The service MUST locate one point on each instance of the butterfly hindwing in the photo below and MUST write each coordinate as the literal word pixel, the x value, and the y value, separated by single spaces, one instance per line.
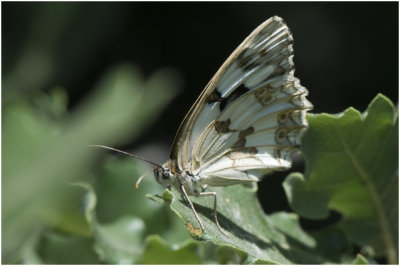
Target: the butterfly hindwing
pixel 249 117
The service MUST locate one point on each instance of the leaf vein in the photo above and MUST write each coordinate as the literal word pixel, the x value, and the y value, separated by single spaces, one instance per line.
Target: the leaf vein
pixel 387 237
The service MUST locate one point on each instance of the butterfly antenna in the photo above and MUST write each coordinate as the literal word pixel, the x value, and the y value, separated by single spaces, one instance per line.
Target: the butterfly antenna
pixel 124 152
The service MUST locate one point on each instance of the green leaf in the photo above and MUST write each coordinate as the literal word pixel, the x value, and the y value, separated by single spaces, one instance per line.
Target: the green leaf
pixel 257 237
pixel 119 242
pixel 66 249
pixel 352 168
pixel 360 259
pixel 289 223
pixel 332 243
pixel 157 251
pixel 117 195
pixel 89 200
pixel 161 251
pixel 29 254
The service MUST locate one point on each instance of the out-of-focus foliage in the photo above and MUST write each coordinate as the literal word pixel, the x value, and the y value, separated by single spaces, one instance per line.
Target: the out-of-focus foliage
pixel 44 150
pixel 52 42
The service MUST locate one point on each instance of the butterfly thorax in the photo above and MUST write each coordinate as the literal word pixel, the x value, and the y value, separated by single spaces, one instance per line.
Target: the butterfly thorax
pixel 169 175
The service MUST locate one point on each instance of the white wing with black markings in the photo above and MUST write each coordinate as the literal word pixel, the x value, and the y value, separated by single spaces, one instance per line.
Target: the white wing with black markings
pixel 249 118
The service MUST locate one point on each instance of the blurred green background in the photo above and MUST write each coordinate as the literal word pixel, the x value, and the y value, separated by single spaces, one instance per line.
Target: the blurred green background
pixel 124 75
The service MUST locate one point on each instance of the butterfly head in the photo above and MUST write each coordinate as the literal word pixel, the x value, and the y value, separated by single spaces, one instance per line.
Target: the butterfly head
pixel 163 176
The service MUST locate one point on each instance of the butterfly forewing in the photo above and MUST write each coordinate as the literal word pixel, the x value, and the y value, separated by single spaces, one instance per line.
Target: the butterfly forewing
pixel 249 118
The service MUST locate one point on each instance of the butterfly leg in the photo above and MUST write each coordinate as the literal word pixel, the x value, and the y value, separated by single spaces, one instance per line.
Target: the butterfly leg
pixel 192 207
pixel 214 194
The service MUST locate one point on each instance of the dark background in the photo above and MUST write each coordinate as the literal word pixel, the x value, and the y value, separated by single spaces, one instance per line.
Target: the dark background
pixel 345 53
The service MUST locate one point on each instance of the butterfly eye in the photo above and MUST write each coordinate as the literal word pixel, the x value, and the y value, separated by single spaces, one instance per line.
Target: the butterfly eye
pixel 158 173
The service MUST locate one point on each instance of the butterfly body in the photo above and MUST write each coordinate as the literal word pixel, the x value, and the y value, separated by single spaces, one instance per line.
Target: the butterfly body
pixel 168 176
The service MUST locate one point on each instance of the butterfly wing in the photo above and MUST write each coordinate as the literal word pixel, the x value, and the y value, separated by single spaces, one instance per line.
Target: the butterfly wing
pixel 249 117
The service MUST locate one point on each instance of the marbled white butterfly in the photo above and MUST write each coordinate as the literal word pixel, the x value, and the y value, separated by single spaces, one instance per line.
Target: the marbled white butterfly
pixel 246 122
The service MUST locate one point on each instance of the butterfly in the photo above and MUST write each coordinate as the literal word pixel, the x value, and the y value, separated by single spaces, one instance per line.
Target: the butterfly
pixel 246 122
